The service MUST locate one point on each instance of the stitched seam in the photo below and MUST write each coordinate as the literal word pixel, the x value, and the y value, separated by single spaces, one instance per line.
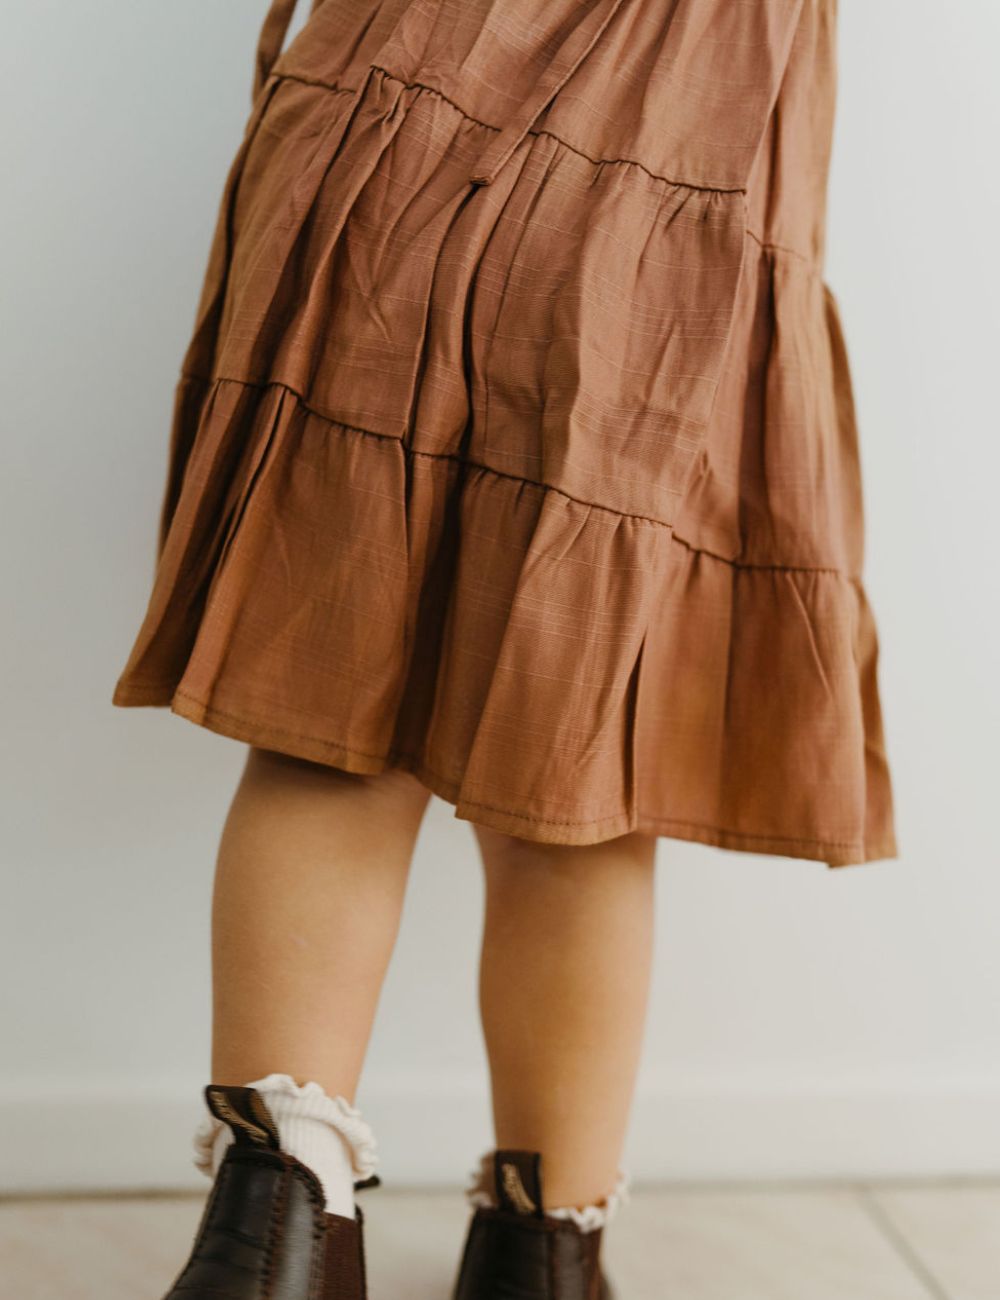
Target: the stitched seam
pixel 278 1201
pixel 302 1174
pixel 394 754
pixel 206 1224
pixel 755 836
pixel 518 478
pixel 770 247
pixel 389 756
pixel 427 455
pixel 433 90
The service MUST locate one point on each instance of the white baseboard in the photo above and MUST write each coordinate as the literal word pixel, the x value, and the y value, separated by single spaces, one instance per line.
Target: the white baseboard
pixel 430 1131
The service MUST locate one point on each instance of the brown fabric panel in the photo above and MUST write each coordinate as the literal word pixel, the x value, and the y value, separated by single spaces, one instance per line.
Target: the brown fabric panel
pixel 547 488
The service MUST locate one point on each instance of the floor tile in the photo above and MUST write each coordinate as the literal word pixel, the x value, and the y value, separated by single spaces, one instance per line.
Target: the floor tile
pixel 700 1244
pixel 954 1233
pixel 755 1245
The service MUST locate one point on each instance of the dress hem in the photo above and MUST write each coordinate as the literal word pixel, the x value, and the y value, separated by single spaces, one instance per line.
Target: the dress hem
pixel 259 732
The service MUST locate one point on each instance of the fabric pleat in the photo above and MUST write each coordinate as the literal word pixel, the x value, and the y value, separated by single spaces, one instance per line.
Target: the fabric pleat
pixel 515 442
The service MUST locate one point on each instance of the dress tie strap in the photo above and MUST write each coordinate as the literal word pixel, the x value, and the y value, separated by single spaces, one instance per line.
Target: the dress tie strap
pixel 272 37
pixel 570 55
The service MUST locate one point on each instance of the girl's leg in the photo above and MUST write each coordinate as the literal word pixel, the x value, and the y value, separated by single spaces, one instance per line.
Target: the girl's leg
pixel 309 886
pixel 564 979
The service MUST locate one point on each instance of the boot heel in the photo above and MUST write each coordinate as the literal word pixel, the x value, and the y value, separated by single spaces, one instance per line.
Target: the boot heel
pixel 515 1251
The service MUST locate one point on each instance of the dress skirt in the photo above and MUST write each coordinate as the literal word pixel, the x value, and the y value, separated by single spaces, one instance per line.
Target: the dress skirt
pixel 514 445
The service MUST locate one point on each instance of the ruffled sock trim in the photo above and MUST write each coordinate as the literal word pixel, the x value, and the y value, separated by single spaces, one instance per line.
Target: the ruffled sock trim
pixel 312 1102
pixel 480 1193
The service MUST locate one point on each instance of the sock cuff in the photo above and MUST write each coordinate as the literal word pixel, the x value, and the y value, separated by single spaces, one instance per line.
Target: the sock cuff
pixel 481 1192
pixel 289 1101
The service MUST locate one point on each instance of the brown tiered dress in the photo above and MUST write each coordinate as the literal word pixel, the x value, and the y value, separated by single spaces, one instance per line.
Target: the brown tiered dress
pixel 515 443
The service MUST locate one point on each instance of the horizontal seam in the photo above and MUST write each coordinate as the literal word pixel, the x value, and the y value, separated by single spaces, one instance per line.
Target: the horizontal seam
pixel 417 765
pixel 390 756
pixel 767 568
pixel 518 478
pixel 433 90
pixel 770 247
pixel 269 726
pixel 428 455
pixel 753 835
pixel 533 821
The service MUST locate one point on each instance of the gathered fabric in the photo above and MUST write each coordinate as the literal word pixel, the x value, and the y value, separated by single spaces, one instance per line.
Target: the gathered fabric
pixel 515 443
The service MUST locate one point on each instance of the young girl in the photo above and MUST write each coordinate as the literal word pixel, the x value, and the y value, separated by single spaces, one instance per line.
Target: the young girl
pixel 513 460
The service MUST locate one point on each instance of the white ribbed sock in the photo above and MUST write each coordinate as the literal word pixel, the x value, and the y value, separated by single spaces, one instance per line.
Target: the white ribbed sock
pixel 326 1133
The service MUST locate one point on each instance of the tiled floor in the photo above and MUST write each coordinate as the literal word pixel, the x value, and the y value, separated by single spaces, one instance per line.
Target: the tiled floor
pixel 936 1241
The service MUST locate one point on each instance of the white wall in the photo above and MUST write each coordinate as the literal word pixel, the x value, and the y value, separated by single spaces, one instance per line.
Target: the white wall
pixel 804 1022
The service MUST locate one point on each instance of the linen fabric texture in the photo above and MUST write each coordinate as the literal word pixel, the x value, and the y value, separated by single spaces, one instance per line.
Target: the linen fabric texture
pixel 515 442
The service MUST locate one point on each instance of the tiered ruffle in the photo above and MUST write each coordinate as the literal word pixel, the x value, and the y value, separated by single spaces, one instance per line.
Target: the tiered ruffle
pixel 547 493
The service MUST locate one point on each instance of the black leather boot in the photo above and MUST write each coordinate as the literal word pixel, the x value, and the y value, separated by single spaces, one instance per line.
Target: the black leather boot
pixel 515 1251
pixel 265 1231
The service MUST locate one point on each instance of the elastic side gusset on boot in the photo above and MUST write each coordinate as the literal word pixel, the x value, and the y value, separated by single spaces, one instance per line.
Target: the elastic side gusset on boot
pixel 265 1230
pixel 515 1251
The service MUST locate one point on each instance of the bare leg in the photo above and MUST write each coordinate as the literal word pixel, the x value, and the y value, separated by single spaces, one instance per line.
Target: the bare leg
pixel 309 887
pixel 564 980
